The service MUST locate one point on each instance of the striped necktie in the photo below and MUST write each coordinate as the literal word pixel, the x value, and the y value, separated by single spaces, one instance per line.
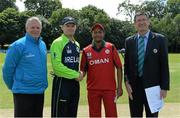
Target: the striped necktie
pixel 140 55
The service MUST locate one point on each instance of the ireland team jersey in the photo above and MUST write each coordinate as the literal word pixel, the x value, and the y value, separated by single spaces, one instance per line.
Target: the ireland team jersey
pixel 65 57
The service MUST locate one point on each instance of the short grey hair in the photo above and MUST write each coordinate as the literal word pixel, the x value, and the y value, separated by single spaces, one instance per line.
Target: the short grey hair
pixel 29 20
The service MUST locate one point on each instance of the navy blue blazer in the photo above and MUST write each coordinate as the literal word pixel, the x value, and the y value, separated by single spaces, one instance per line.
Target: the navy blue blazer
pixel 156 67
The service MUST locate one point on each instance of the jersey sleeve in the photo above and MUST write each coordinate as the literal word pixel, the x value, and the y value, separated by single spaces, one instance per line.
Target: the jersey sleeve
pixel 83 65
pixel 116 58
pixel 58 67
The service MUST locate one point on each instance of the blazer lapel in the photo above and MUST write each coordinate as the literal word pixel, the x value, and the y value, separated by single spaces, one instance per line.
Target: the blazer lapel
pixel 149 44
pixel 135 47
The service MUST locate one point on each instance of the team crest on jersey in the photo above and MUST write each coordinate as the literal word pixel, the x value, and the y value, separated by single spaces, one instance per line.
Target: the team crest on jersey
pixel 89 55
pixel 69 51
pixel 77 49
pixel 107 51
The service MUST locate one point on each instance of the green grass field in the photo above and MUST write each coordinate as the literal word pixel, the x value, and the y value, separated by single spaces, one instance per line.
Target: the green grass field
pixel 6 100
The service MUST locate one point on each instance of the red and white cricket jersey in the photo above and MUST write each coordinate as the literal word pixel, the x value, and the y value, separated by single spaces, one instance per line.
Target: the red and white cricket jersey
pixel 100 66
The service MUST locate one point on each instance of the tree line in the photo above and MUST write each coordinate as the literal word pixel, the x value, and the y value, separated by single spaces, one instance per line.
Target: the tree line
pixel 164 16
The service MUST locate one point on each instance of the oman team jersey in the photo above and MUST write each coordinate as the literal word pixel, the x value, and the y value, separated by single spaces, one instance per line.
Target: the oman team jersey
pixel 100 66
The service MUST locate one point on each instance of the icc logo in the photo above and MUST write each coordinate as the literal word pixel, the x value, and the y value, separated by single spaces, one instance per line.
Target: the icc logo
pixel 89 55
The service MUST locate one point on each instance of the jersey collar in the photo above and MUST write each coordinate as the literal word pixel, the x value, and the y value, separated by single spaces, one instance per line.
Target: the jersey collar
pixel 31 39
pixel 66 38
pixel 95 47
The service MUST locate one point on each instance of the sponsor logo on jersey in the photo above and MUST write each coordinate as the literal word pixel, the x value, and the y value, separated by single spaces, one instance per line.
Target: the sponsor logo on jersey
pixel 71 59
pixel 30 55
pixel 99 61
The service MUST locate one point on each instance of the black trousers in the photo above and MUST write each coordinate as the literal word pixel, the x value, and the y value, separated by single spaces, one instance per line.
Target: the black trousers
pixel 65 97
pixel 28 105
pixel 139 101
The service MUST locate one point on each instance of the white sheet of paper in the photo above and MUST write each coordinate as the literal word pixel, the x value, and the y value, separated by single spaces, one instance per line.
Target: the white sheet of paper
pixel 153 98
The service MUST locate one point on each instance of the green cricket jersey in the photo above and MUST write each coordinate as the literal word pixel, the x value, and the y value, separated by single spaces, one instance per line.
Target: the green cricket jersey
pixel 65 57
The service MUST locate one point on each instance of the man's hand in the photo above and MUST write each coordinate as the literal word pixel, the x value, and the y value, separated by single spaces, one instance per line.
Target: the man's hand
pixel 119 92
pixel 80 76
pixel 129 90
pixel 163 94
pixel 52 74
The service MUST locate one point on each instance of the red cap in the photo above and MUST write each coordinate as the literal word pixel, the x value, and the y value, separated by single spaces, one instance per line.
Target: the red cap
pixel 97 26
